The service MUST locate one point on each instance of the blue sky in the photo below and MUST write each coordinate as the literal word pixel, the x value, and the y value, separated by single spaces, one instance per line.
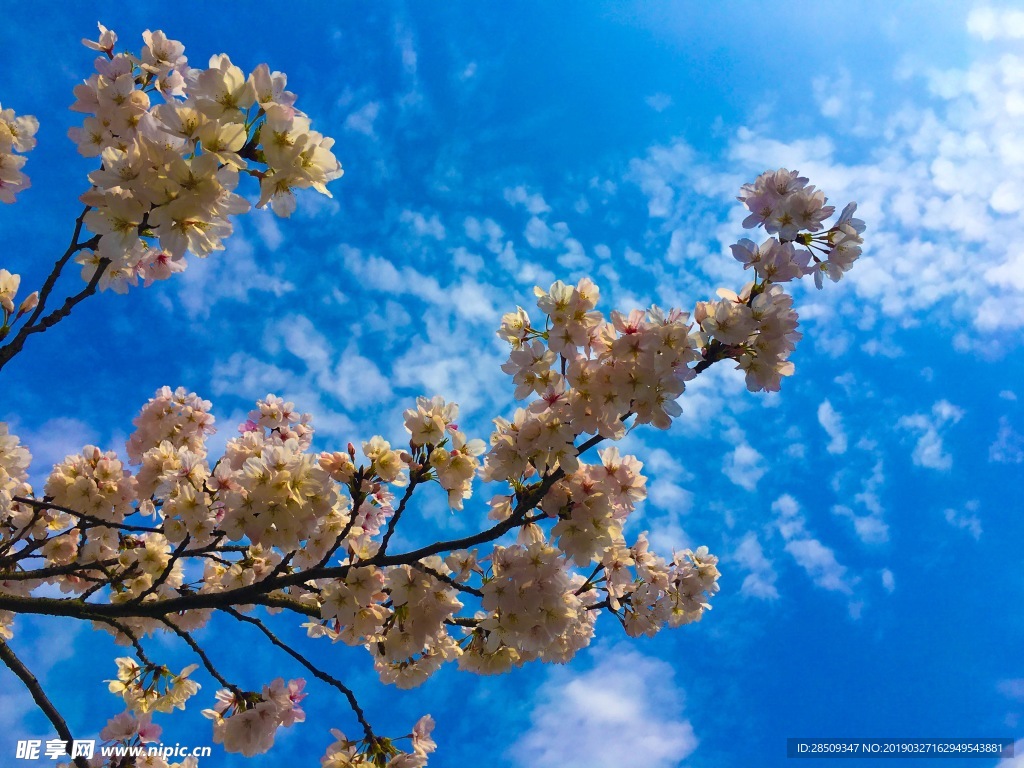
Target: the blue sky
pixel 867 517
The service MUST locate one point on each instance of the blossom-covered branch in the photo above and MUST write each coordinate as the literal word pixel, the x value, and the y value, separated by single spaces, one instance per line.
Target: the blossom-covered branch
pixel 165 537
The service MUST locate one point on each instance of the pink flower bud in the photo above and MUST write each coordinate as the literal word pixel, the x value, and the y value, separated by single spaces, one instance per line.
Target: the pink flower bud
pixel 29 303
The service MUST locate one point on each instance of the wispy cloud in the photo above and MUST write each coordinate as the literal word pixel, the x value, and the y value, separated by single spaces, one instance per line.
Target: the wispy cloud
pixel 744 465
pixel 363 119
pixel 233 274
pixel 1008 447
pixel 965 519
pixel 929 451
pixel 809 553
pixel 832 423
pixel 760 582
pixel 422 225
pixel 659 102
pixel 52 441
pixel 870 527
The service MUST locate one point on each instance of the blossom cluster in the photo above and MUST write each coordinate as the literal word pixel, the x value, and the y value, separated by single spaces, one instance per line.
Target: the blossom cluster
pixel 274 522
pixel 381 753
pixel 17 134
pixel 152 688
pixel 171 165
pixel 589 374
pixel 784 204
pixel 450 457
pixel 14 463
pixel 248 722
pixel 276 500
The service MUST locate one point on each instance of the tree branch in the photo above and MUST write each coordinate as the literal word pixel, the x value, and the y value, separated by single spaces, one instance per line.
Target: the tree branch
pixel 17 667
pixel 36 325
pixel 319 673
pixel 198 650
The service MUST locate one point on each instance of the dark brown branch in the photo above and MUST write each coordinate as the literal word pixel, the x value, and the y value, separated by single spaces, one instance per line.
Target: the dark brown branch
pixel 17 667
pixel 20 534
pixel 36 323
pixel 51 279
pixel 140 652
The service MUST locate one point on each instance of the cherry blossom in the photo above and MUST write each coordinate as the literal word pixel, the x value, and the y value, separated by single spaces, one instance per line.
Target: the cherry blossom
pixel 158 539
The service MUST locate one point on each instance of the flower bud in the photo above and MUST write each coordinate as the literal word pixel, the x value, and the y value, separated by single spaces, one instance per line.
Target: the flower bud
pixel 29 303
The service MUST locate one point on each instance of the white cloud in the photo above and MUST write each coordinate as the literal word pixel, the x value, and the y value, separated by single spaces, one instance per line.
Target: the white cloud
pixel 788 519
pixel 659 102
pixel 532 201
pixel 820 563
pixel 965 519
pixel 423 226
pixel 929 451
pixel 940 182
pixel 486 231
pixel 832 423
pixel 669 496
pixel 477 302
pixel 870 529
pixel 438 369
pixel 540 235
pixel 1012 689
pixel 996 23
pixel 267 228
pixel 355 380
pixel 815 558
pixel 230 274
pixel 888 580
pixel 245 376
pixel 760 582
pixel 1008 447
pixel 840 97
pixel 52 441
pixel 744 466
pixel 377 271
pixel 659 173
pixel 362 120
pixel 625 711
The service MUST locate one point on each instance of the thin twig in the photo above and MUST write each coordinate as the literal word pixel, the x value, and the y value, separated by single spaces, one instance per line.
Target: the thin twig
pixel 329 679
pixel 166 572
pixel 447 579
pixel 36 323
pixel 96 521
pixel 198 650
pixel 414 480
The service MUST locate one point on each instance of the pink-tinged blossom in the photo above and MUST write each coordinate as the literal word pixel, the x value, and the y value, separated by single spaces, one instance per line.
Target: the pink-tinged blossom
pixel 17 134
pixel 106 41
pixel 172 156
